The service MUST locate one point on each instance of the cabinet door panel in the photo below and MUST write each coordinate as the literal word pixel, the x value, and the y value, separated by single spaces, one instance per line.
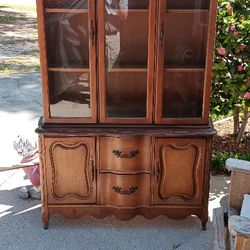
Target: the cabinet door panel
pixel 72 4
pixel 179 171
pixel 185 33
pixel 70 56
pixel 71 170
pixel 126 60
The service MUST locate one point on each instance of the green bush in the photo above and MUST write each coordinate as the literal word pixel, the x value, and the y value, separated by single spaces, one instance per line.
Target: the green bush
pixel 218 160
pixel 231 69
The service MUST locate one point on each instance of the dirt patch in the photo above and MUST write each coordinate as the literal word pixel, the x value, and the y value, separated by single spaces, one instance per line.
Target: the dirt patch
pixel 224 142
pixel 18 41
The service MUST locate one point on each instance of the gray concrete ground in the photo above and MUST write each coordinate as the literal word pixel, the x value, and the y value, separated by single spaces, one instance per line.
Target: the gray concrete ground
pixel 20 220
pixel 23 2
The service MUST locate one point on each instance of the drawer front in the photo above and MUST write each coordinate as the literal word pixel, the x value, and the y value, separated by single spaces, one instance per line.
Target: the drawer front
pixel 124 190
pixel 125 154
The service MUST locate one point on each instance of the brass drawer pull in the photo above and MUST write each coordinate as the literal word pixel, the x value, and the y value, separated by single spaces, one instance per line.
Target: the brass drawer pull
pixel 130 154
pixel 119 190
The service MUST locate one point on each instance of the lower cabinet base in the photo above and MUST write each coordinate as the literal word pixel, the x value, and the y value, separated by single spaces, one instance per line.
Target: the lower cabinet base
pixel 125 172
pixel 76 212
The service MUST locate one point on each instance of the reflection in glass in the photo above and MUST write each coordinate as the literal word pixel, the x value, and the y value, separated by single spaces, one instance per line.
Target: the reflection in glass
pixel 187 4
pixel 126 35
pixel 126 48
pixel 70 4
pixel 67 40
pixel 183 95
pixel 127 94
pixel 185 41
pixel 69 94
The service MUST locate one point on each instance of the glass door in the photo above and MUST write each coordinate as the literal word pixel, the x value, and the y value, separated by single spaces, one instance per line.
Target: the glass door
pixel 71 67
pixel 184 62
pixel 126 60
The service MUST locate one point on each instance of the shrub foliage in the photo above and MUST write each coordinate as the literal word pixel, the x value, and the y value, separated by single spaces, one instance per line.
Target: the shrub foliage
pixel 231 69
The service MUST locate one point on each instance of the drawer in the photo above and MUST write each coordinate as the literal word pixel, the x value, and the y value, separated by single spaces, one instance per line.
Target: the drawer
pixel 125 154
pixel 125 190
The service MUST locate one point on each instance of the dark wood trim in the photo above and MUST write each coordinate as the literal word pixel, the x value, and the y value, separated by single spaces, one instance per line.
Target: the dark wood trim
pixel 160 62
pixel 206 186
pixel 92 61
pixel 43 57
pixel 57 130
pixel 101 60
pixel 209 58
pixel 43 180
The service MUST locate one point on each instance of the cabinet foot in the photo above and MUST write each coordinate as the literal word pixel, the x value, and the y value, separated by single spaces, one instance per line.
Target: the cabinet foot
pixel 45 219
pixel 204 225
pixel 46 224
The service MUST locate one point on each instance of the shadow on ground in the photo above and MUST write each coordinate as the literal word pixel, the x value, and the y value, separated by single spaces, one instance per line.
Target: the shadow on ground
pixel 21 228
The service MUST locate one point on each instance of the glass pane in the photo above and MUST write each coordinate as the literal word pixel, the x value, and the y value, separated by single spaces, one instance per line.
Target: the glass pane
pixel 126 94
pixel 135 4
pixel 185 39
pixel 67 40
pixel 188 4
pixel 69 4
pixel 126 4
pixel 126 47
pixel 69 94
pixel 183 94
pixel 126 36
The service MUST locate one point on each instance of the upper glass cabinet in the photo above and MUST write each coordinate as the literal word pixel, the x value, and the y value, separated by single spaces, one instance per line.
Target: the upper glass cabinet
pixel 126 37
pixel 151 59
pixel 70 44
pixel 183 35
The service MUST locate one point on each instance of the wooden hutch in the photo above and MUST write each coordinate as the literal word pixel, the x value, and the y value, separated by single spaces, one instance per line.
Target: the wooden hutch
pixel 126 91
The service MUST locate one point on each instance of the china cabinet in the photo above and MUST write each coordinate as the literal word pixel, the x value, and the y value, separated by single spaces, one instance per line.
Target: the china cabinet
pixel 126 87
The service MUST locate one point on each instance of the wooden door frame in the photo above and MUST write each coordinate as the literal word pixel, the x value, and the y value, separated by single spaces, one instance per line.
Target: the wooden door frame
pixel 102 71
pixel 207 72
pixel 44 66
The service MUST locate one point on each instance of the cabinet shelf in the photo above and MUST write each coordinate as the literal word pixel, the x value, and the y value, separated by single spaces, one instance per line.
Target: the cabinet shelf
pixel 134 10
pixel 125 70
pixel 54 10
pixel 69 70
pixel 194 11
pixel 178 69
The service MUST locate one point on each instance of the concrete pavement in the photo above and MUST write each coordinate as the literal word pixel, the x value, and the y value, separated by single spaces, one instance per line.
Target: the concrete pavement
pixel 20 220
